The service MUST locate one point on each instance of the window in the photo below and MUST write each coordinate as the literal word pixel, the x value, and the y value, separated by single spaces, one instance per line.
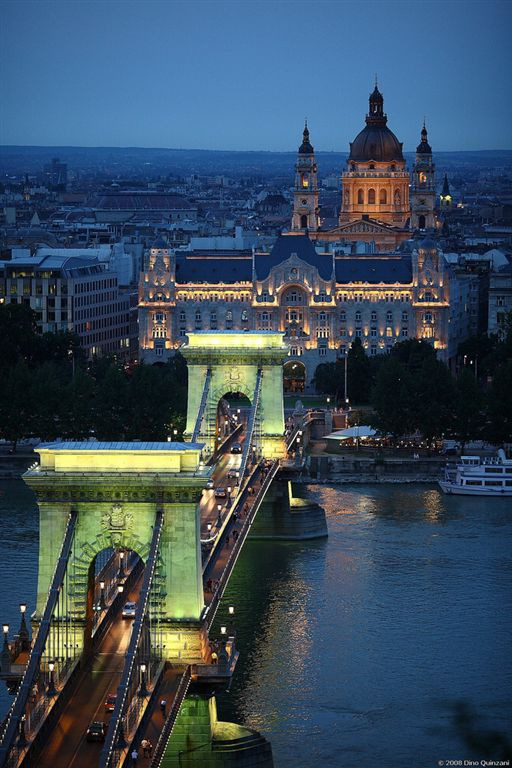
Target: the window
pixel 405 317
pixel 358 333
pixel 322 333
pixel 358 316
pixel 374 316
pixel 182 316
pixel 389 332
pixel 229 316
pixel 373 332
pixel 405 333
pixel 371 197
pixel 373 350
pixel 500 301
pixel 244 317
pixel 360 197
pixel 389 317
pixel 322 318
pixel 322 351
pixel 383 197
pixel 428 318
pixel 343 315
pixel 159 317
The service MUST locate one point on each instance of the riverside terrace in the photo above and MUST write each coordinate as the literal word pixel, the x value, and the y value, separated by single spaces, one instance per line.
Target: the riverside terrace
pixel 140 513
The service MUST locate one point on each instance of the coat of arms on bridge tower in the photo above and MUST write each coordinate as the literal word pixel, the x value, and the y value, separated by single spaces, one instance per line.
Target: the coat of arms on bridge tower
pixel 117 519
pixel 234 375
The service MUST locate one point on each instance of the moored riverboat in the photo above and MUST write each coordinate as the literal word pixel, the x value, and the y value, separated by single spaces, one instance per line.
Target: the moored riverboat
pixel 476 476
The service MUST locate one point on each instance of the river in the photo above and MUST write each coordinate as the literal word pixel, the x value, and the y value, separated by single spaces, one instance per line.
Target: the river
pixel 359 650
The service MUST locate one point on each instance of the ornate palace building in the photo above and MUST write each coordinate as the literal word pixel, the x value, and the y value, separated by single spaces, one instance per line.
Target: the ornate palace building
pixel 322 302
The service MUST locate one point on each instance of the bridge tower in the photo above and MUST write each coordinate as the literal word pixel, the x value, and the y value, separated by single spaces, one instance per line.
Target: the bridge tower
pixel 250 362
pixel 116 491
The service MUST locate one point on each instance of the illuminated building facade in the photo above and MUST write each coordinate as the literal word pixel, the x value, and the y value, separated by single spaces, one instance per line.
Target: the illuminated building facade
pixel 423 186
pixel 305 197
pixel 321 301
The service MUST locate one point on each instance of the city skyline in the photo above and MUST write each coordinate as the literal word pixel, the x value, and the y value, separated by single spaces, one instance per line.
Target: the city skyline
pixel 244 77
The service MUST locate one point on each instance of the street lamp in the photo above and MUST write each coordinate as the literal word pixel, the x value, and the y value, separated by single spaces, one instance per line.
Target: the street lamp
pixel 51 682
pixel 209 527
pixel 231 610
pixel 23 633
pixel 102 596
pixel 121 572
pixel 5 628
pixel 120 589
pixel 143 691
pixel 223 630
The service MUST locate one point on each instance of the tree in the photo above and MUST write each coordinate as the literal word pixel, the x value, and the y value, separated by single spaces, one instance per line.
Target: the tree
pixel 392 399
pixel 434 397
pixel 469 403
pixel 358 373
pixel 329 379
pixel 499 406
pixel 17 404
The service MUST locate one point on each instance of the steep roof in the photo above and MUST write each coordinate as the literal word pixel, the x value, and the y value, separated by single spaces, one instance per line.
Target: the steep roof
pixel 287 246
pixel 232 268
pixel 374 270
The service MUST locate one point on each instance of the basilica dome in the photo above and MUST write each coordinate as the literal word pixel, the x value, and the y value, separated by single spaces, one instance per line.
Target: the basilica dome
pixel 376 141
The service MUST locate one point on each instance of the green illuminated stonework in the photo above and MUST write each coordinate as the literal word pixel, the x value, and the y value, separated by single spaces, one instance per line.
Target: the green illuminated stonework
pixel 234 359
pixel 117 509
pixel 199 740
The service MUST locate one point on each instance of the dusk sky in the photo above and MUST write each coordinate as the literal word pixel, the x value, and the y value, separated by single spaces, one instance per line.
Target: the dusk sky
pixel 243 75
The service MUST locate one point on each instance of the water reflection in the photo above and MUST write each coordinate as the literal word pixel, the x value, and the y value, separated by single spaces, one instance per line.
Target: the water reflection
pixel 349 649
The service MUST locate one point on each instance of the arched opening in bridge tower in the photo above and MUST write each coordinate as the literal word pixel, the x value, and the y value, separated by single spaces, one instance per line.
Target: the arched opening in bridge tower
pixel 112 580
pixel 232 410
pixel 294 377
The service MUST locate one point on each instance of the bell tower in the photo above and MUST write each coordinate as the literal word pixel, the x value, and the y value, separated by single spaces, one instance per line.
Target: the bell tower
pixel 423 186
pixel 305 197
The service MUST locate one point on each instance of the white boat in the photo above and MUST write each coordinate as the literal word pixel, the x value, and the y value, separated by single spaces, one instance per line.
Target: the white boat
pixel 475 476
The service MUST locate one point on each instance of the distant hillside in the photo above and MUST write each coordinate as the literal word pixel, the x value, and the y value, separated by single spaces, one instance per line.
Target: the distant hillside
pixel 141 162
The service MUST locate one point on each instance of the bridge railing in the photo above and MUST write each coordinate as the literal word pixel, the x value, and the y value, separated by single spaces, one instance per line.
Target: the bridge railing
pixel 14 740
pixel 211 609
pixel 250 424
pixel 165 735
pixel 202 405
pixel 114 741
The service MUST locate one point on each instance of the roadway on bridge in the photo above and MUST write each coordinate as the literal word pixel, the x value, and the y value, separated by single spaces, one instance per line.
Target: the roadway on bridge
pixel 67 746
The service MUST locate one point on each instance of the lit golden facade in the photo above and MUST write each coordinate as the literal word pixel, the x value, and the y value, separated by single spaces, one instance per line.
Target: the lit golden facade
pixel 376 182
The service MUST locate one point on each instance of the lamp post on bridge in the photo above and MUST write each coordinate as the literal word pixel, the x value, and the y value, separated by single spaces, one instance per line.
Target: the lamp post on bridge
pixel 5 659
pixel 23 633
pixel 102 603
pixel 51 691
pixel 121 574
pixel 143 691
pixel 219 516
pixel 22 739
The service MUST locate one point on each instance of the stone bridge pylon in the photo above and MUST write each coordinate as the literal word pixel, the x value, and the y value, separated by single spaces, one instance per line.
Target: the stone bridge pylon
pixel 222 362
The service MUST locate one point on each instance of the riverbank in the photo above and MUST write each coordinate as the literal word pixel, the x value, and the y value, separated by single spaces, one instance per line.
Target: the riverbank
pixel 337 470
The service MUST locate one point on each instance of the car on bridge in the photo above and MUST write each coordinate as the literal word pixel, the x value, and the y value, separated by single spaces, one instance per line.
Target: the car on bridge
pixel 96 731
pixel 233 474
pixel 129 610
pixel 236 448
pixel 210 485
pixel 220 493
pixel 110 702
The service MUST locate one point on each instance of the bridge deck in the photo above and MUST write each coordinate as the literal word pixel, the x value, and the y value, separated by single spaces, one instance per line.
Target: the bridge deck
pixel 67 746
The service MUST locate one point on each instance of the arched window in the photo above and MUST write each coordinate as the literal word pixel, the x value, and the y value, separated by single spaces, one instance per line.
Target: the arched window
pixel 421 222
pixel 371 166
pixel 360 197
pixel 398 199
pixel 229 316
pixel 303 222
pixel 383 197
pixel 371 197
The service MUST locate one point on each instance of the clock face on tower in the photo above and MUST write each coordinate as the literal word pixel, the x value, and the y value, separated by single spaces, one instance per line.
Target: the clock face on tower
pixel 304 202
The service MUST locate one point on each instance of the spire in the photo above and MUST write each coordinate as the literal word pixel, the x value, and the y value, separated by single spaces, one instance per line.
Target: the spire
pixel 446 187
pixel 306 147
pixel 424 147
pixel 376 114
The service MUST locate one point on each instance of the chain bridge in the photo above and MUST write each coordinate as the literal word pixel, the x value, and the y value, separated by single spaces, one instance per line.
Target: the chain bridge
pixel 137 544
